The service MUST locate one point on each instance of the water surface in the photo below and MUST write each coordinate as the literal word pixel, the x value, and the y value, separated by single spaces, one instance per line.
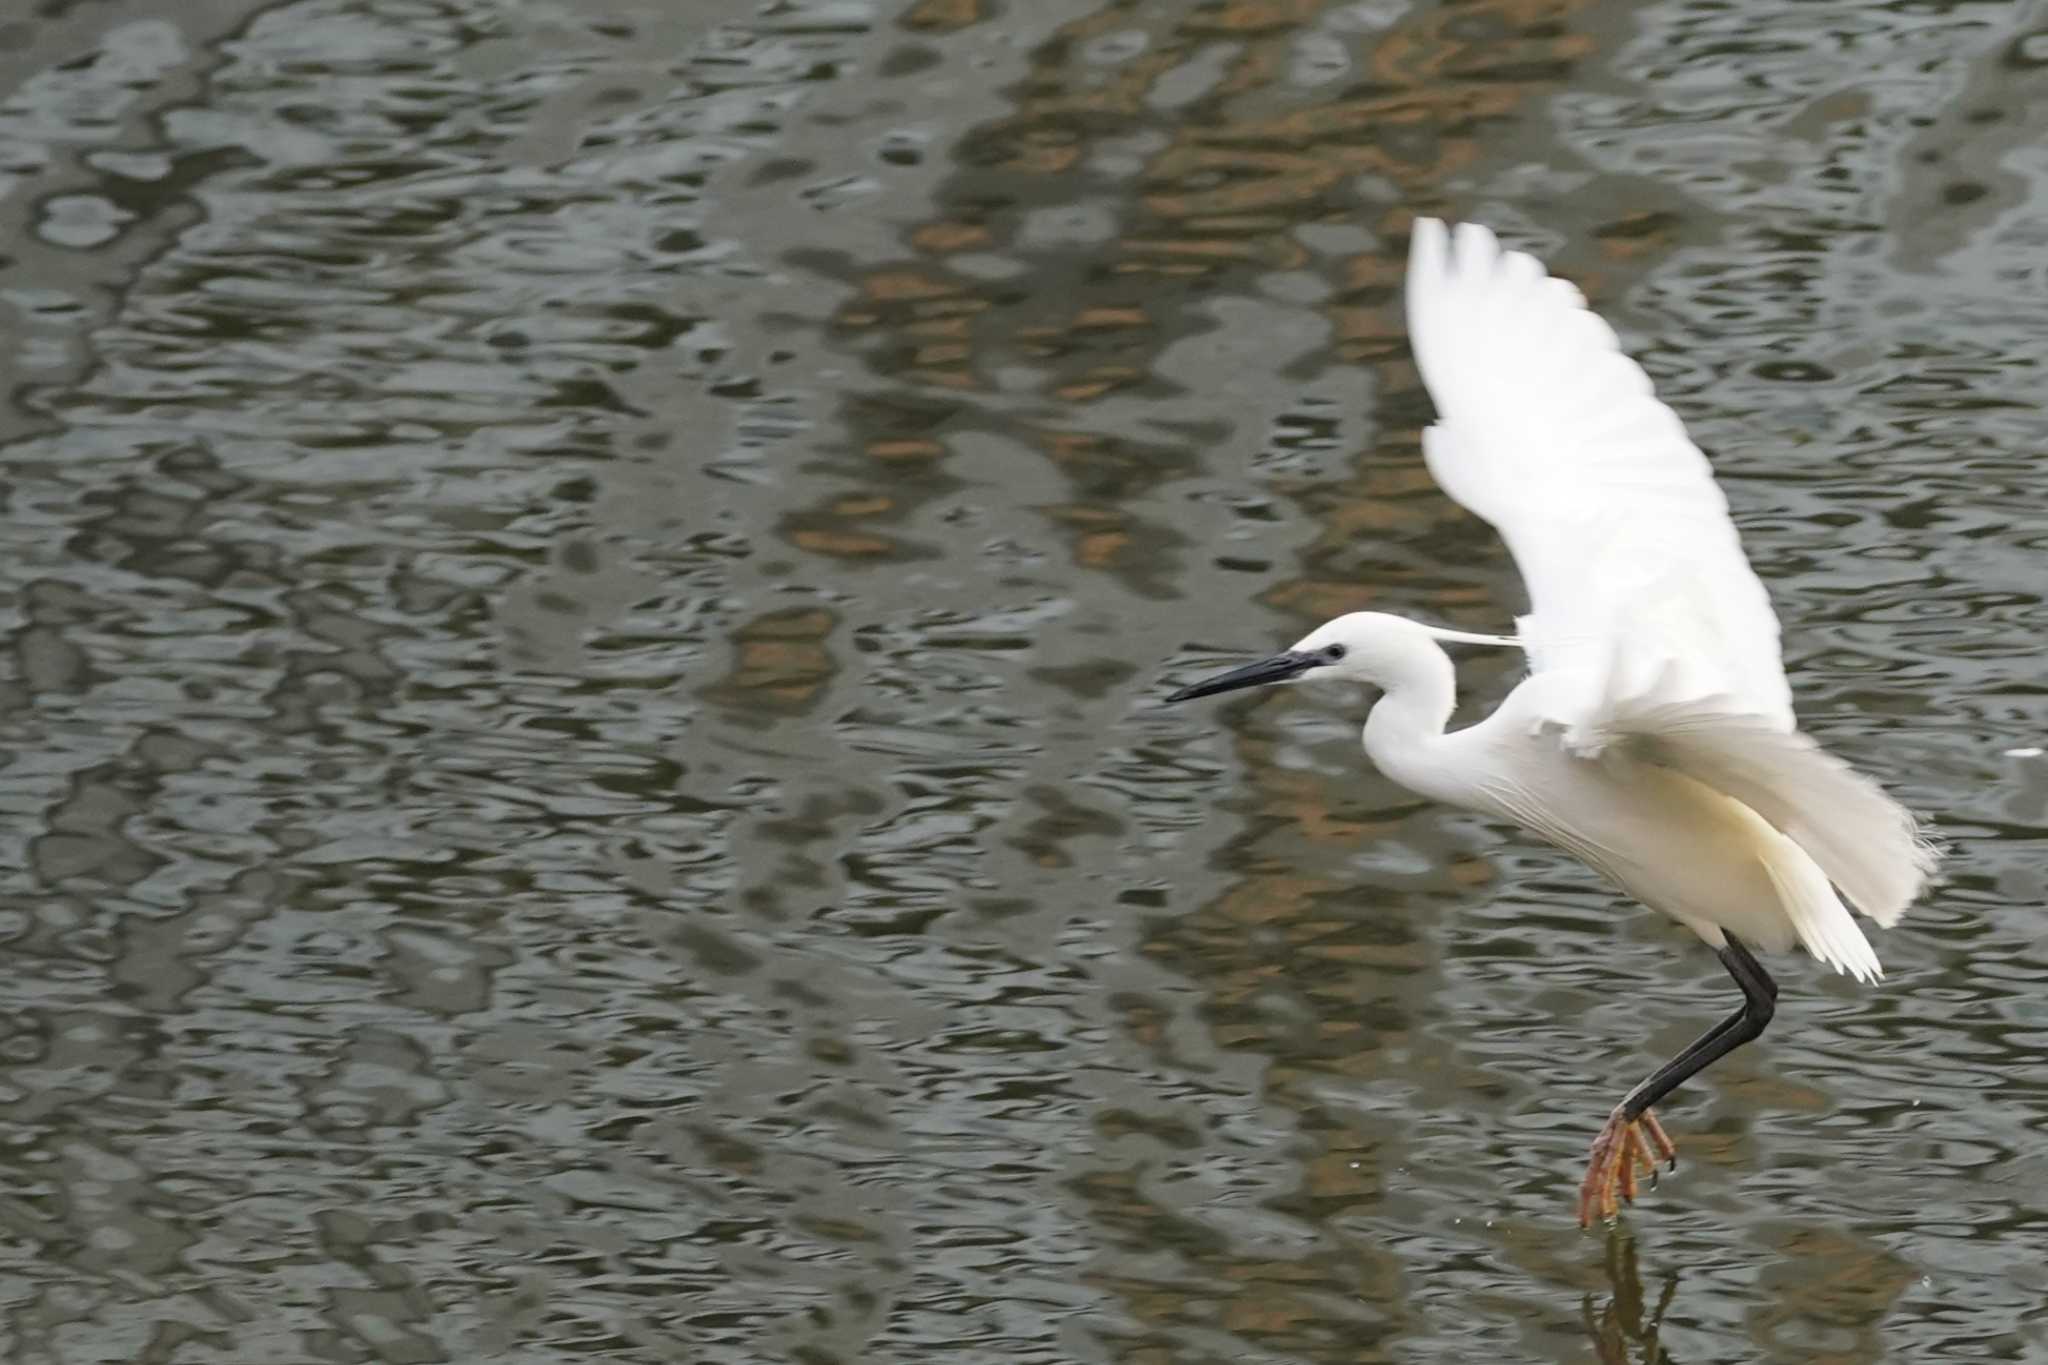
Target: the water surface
pixel 586 594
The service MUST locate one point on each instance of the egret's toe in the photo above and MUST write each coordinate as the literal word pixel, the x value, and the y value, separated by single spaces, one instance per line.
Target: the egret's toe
pixel 1621 1146
pixel 1667 1151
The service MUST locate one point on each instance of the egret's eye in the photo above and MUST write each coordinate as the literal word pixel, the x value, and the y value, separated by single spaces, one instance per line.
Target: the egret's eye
pixel 1333 652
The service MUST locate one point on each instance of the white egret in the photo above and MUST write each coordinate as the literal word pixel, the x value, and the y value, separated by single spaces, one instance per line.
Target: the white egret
pixel 1654 737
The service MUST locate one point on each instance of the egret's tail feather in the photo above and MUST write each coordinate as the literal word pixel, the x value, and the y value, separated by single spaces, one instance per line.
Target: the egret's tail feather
pixel 1863 841
pixel 1818 916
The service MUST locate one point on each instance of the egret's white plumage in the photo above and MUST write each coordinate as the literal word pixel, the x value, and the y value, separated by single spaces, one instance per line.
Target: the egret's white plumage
pixel 1654 737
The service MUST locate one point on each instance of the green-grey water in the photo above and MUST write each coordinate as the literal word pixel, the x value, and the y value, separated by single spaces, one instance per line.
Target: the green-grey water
pixel 585 595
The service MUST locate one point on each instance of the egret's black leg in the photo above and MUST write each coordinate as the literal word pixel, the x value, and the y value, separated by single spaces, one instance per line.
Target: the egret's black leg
pixel 1632 1131
pixel 1759 1002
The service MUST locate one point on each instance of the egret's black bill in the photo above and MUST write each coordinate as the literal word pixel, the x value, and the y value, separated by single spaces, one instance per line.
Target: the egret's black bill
pixel 1279 668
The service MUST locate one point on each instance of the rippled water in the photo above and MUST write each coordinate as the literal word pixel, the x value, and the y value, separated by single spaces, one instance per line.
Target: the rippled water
pixel 587 587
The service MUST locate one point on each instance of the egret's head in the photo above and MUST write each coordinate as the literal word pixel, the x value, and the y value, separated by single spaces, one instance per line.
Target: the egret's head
pixel 1364 646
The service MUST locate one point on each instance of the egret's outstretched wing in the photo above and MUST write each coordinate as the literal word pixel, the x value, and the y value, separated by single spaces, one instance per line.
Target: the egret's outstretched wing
pixel 1636 579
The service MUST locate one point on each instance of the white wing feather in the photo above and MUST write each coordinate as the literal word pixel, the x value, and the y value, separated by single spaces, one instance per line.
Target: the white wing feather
pixel 1647 629
pixel 1635 575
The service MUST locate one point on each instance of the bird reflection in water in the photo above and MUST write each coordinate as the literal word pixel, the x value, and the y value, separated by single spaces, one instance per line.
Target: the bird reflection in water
pixel 1621 1323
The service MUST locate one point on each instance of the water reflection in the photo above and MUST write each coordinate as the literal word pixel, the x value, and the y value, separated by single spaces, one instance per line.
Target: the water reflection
pixel 1621 1332
pixel 588 595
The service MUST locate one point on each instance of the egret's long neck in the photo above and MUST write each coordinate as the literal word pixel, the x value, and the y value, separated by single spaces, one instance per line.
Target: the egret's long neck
pixel 1421 689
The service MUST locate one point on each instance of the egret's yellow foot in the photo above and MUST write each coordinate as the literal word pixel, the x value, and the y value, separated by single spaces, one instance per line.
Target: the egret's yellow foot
pixel 1623 1145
